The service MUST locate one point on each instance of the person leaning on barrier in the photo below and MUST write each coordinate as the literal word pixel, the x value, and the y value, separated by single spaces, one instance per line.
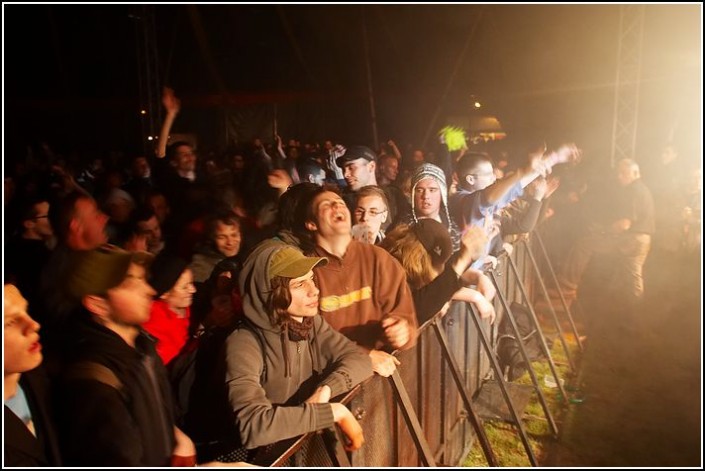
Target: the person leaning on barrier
pixel 286 363
pixel 424 250
pixel 480 195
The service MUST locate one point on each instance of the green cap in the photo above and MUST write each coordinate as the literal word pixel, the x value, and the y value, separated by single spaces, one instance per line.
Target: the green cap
pixel 289 262
pixel 94 272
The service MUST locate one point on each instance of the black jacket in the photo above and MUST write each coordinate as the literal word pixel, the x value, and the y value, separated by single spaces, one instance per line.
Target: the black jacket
pixel 21 448
pixel 103 425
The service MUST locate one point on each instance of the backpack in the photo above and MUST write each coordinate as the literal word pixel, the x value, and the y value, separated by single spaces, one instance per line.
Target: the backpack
pixel 203 410
pixel 508 352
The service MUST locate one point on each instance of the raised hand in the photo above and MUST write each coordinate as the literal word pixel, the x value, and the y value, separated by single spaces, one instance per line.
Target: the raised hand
pixel 472 247
pixel 279 179
pixel 567 153
pixel 170 102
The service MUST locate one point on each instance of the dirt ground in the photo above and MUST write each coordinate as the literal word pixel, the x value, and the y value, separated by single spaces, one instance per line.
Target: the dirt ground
pixel 640 374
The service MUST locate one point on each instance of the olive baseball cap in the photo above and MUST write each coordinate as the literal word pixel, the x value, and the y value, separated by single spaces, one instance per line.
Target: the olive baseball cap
pixel 94 272
pixel 291 263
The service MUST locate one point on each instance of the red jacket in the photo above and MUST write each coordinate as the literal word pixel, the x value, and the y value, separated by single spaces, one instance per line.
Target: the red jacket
pixel 170 330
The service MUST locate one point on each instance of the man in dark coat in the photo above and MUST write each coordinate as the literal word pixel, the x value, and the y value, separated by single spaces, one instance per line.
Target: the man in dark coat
pixel 116 407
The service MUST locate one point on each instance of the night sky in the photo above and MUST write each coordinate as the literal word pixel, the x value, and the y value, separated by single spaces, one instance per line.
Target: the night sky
pixel 547 72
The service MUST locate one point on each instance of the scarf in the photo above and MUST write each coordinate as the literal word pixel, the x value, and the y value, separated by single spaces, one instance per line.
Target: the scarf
pixel 299 330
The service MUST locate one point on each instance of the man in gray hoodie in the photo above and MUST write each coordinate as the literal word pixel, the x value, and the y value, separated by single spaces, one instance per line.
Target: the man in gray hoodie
pixel 286 365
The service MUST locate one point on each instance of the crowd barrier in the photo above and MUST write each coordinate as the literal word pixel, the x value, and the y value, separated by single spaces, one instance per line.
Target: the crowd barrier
pixel 423 415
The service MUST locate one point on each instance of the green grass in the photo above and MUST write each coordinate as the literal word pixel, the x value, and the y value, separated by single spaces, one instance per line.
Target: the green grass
pixel 504 437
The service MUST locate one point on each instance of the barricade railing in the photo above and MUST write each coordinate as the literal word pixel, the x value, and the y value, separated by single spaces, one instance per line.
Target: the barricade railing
pixel 423 416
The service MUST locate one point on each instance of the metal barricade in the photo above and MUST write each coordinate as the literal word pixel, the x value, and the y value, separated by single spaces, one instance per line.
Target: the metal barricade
pixel 430 395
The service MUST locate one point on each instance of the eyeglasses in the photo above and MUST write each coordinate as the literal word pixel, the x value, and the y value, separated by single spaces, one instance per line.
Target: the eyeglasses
pixel 359 212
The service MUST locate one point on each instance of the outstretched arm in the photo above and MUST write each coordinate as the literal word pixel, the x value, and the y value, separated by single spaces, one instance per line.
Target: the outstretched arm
pixel 541 164
pixel 172 106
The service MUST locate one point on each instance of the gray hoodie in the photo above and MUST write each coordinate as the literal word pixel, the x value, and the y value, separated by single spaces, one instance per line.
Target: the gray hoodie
pixel 270 377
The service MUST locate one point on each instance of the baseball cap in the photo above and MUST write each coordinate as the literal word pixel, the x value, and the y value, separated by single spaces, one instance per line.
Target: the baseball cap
pixel 291 263
pixel 94 272
pixel 354 153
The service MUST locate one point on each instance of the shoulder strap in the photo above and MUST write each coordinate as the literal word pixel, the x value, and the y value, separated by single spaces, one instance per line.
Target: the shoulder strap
pixel 95 371
pixel 246 324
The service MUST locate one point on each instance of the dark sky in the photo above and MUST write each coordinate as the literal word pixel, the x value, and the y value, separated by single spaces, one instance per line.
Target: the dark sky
pixel 547 71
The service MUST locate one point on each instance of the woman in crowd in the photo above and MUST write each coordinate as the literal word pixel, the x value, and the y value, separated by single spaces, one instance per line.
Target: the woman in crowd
pixel 424 250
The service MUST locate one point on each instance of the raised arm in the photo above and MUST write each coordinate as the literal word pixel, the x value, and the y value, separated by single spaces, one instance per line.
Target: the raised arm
pixel 392 145
pixel 541 163
pixel 172 106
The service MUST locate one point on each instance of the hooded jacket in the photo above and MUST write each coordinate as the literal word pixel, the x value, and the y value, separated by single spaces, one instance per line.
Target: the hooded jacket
pixel 269 377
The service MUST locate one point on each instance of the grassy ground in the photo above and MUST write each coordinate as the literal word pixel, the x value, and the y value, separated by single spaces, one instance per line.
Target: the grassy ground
pixel 504 437
pixel 640 375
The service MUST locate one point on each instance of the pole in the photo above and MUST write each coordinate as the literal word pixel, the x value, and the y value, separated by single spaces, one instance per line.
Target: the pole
pixel 370 93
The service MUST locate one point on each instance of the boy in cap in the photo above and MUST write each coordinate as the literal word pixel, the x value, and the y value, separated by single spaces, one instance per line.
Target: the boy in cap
pixel 359 165
pixel 116 402
pixel 285 366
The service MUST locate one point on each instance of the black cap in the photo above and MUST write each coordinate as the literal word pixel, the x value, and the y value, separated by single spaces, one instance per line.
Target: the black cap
pixel 435 238
pixel 354 153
